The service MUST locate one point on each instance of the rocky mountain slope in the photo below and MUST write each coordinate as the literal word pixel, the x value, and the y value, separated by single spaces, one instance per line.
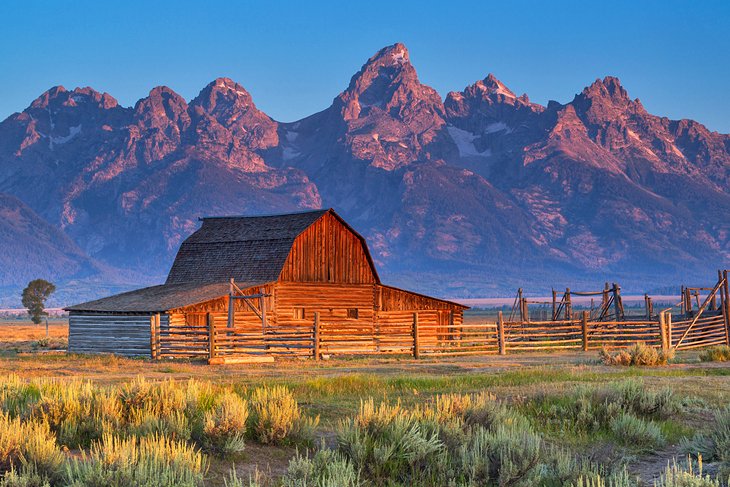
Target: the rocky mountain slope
pixel 470 195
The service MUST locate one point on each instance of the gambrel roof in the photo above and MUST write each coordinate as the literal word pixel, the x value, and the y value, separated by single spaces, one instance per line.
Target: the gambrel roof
pixel 245 248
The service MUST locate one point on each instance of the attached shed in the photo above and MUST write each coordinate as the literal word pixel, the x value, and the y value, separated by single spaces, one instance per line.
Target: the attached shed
pixel 261 274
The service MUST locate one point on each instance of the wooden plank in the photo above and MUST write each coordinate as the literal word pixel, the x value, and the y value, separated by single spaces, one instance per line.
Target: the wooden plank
pixel 240 360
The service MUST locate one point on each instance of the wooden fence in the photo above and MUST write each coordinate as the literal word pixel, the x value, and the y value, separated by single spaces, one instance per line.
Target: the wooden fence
pixel 222 344
pixel 222 340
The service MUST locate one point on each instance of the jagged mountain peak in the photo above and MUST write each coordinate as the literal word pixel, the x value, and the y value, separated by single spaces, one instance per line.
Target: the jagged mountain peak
pixel 58 96
pixel 387 82
pixel 395 55
pixel 492 85
pixel 608 89
pixel 223 97
pixel 161 100
pixel 47 96
pixel 222 87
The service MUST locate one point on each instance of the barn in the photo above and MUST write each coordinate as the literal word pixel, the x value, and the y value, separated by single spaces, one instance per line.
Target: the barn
pixel 262 286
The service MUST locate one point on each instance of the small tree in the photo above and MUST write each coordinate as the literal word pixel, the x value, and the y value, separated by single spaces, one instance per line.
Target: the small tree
pixel 34 298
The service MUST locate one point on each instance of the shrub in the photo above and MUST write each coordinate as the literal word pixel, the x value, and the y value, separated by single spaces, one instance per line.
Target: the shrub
pixel 631 396
pixel 386 447
pixel 720 353
pixel 325 469
pixel 591 409
pixel 233 481
pixel 155 460
pixel 638 354
pixel 714 444
pixel 224 427
pixel 146 421
pixel 77 411
pixel 636 432
pixel 275 417
pixel 618 479
pixel 16 395
pixel 454 440
pixel 505 456
pixel 28 443
pixel 27 477
pixel 676 476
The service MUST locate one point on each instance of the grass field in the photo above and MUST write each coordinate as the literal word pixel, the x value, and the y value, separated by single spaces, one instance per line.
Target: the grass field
pixel 567 401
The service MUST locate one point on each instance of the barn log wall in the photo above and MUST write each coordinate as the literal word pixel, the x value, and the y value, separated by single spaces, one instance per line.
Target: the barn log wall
pixel 120 334
pixel 331 301
pixel 328 251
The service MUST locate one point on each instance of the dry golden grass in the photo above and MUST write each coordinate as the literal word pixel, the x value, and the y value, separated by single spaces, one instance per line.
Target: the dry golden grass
pixel 26 331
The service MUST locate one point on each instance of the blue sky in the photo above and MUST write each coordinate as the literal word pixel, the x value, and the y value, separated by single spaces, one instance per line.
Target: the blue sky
pixel 295 56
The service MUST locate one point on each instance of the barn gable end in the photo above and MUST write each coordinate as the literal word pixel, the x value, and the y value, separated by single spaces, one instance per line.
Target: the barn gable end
pixel 329 251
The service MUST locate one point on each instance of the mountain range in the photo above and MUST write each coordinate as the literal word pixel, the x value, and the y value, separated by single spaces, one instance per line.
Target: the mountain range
pixel 470 195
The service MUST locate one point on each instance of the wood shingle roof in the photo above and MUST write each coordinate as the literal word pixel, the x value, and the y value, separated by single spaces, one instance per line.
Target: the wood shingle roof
pixel 247 249
pixel 157 299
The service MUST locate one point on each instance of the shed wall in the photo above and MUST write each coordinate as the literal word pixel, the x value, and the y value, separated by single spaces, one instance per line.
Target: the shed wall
pixel 120 334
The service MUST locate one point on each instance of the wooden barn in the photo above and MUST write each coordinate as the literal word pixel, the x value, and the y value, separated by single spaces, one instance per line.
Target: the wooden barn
pixel 263 285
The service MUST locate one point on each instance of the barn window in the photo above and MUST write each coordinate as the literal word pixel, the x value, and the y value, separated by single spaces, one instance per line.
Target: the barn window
pixel 352 313
pixel 298 313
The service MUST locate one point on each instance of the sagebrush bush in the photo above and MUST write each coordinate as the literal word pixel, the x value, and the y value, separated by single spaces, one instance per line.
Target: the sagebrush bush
pixel 636 432
pixel 713 444
pixel 17 395
pixel 720 353
pixel 275 417
pixel 390 444
pixel 677 476
pixel 617 479
pixel 224 427
pixel 467 441
pixel 29 444
pixel 505 456
pixel 325 469
pixel 27 476
pixel 155 460
pixel 591 409
pixel 77 411
pixel 232 480
pixel 638 354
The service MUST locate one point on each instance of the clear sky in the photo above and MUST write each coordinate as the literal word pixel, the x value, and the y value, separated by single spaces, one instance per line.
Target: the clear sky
pixel 295 56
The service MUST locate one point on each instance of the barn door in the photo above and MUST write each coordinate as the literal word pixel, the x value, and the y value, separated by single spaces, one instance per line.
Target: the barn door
pixel 444 331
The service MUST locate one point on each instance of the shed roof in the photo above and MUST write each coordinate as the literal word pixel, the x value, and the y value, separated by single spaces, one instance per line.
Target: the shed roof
pixel 160 298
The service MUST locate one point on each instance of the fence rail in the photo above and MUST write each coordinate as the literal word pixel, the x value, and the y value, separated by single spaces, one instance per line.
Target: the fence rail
pixel 221 344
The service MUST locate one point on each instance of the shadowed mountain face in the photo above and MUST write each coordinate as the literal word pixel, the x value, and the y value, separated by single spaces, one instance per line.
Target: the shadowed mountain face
pixel 474 194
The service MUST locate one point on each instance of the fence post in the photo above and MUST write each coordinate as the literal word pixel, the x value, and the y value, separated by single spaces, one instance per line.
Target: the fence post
pixel 416 339
pixel 663 331
pixel 154 333
pixel 315 345
pixel 668 325
pixel 584 330
pixel 500 334
pixel 726 307
pixel 211 336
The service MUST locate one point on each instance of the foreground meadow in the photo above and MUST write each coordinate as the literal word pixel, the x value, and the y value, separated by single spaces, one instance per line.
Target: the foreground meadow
pixel 548 419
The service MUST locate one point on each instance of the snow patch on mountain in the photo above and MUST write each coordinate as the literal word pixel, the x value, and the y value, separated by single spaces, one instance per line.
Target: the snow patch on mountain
pixel 72 132
pixel 464 141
